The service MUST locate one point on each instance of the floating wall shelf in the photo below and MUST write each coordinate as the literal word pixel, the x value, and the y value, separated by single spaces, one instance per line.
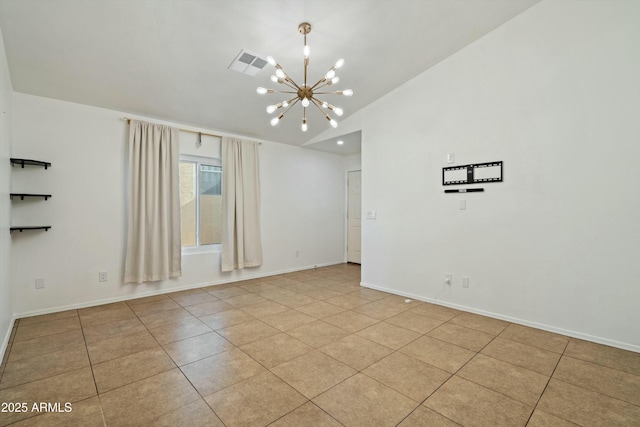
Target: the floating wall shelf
pixel 20 229
pixel 23 195
pixel 23 162
pixel 29 162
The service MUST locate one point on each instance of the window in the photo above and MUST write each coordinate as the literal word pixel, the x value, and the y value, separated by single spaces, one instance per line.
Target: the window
pixel 200 201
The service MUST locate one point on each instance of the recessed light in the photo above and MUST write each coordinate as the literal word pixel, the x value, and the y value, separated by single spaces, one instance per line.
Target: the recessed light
pixel 341 142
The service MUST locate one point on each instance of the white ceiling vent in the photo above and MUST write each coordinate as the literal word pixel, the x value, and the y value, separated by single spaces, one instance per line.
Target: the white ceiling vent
pixel 247 63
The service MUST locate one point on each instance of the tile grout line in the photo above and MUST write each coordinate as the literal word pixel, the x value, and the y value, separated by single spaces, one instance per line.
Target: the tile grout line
pixel 479 352
pixel 458 370
pixel 308 400
pixel 170 358
pixel 547 384
pixel 267 369
pixel 592 389
pixel 95 384
pixel 50 376
pixel 360 371
pixel 187 378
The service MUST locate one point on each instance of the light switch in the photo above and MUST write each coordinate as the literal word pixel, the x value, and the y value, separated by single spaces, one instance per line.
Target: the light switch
pixel 463 205
pixel 451 157
pixel 371 214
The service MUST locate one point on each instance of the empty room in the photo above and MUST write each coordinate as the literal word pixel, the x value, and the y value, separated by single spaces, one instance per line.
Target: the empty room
pixel 319 213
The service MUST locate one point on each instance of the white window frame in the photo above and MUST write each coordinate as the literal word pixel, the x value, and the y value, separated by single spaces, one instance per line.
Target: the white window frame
pixel 209 161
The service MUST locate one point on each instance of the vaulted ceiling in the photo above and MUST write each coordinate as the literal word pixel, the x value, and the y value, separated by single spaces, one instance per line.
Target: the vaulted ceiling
pixel 169 59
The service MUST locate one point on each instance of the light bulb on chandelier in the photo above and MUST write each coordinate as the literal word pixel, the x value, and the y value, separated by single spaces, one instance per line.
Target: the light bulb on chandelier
pixel 304 93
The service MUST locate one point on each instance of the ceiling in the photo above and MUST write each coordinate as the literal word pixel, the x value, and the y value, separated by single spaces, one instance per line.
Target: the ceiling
pixel 168 59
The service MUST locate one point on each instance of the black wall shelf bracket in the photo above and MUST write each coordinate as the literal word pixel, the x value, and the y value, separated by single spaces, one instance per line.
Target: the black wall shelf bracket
pixel 20 229
pixel 23 195
pixel 23 162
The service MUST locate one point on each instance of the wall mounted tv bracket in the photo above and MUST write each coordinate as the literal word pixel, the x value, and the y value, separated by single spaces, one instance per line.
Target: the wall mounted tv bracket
pixel 472 174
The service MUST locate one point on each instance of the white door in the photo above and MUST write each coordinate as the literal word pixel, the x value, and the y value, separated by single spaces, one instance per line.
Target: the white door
pixel 354 217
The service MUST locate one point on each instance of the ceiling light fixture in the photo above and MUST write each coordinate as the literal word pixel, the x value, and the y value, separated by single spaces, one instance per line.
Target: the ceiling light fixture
pixel 304 93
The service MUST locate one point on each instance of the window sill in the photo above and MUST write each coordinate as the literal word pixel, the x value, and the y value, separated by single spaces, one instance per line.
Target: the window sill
pixel 213 249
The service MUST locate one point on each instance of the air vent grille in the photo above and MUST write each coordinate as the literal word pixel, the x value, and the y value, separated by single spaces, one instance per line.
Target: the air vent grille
pixel 247 63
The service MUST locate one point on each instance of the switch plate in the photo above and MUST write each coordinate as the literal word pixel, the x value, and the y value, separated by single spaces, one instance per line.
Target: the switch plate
pixel 371 215
pixel 102 276
pixel 39 283
pixel 465 282
pixel 451 157
pixel 463 205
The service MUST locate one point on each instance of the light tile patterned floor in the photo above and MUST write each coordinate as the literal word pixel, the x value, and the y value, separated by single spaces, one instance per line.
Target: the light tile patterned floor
pixel 310 348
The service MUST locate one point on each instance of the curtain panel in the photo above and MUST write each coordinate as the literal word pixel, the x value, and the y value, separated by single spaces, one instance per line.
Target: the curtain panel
pixel 153 243
pixel 241 234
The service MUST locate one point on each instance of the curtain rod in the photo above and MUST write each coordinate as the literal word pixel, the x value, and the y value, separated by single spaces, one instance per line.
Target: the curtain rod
pixel 182 129
pixel 128 120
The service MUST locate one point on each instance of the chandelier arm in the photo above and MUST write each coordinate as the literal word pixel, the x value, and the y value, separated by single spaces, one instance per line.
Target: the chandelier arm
pixel 317 103
pixel 328 93
pixel 284 82
pixel 286 77
pixel 290 80
pixel 289 107
pixel 324 78
pixel 326 83
pixel 315 86
pixel 290 102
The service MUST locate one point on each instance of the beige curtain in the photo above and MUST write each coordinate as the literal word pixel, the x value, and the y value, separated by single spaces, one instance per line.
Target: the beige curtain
pixel 241 237
pixel 153 244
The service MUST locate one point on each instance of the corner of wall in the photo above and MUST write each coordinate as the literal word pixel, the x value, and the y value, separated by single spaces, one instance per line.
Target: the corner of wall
pixel 6 297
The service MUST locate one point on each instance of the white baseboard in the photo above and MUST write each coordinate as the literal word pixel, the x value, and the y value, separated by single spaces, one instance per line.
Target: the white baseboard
pixel 544 327
pixel 102 301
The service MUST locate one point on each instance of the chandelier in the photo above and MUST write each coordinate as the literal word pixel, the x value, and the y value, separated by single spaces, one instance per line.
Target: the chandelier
pixel 304 93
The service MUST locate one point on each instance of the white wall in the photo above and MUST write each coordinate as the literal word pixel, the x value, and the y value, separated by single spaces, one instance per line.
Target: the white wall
pixel 353 162
pixel 6 306
pixel 555 94
pixel 302 209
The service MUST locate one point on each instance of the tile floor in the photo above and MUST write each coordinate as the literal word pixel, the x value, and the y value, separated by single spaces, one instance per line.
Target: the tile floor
pixel 305 349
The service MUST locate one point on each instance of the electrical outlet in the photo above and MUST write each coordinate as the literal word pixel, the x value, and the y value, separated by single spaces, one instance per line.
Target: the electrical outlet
pixel 465 282
pixel 102 276
pixel 297 253
pixel 39 283
pixel 448 279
